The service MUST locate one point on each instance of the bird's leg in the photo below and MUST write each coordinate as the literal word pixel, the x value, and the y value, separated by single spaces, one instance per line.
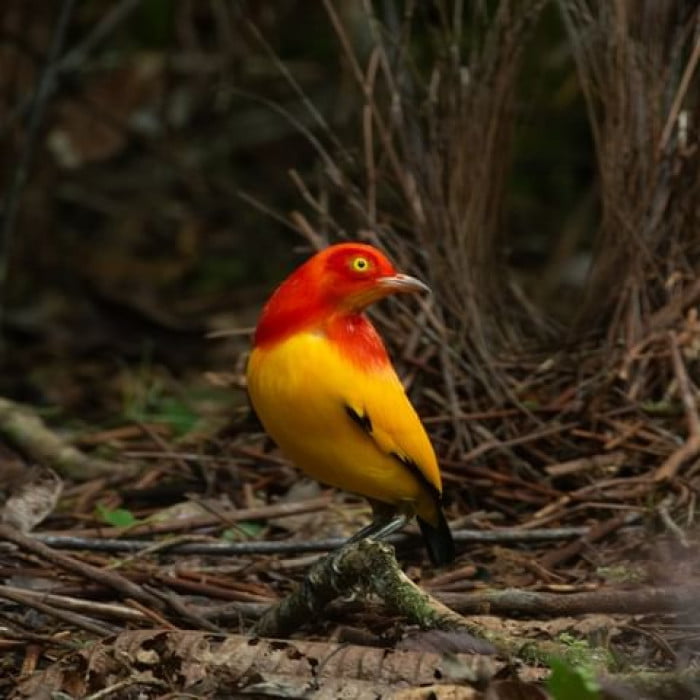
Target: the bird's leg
pixel 385 521
pixel 379 529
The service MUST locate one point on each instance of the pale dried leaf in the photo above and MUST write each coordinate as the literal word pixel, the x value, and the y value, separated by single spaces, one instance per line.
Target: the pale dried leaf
pixel 583 625
pixel 446 642
pixel 31 498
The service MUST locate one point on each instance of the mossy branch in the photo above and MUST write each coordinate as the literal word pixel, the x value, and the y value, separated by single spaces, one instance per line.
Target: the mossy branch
pixel 372 568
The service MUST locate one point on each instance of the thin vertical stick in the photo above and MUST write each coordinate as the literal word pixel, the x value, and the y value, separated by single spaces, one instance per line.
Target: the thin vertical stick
pixel 44 89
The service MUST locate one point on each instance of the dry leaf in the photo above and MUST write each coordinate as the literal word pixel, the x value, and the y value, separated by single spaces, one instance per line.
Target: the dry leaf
pixel 32 496
pixel 446 642
pixel 236 663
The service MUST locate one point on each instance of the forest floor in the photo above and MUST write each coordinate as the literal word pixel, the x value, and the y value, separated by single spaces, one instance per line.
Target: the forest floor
pixel 149 562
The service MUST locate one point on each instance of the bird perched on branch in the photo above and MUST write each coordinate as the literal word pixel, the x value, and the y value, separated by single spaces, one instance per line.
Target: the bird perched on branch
pixel 322 384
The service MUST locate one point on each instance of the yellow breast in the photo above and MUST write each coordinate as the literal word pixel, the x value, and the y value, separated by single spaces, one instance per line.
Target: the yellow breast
pixel 302 390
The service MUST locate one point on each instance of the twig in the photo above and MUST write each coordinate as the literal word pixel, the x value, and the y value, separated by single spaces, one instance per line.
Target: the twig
pixel 100 31
pixel 212 591
pixel 317 116
pixel 684 387
pixel 680 95
pixel 559 556
pixel 511 601
pixel 223 517
pixel 73 59
pixel 669 468
pixel 43 639
pixel 503 536
pixel 383 131
pixel 529 437
pixel 107 578
pixel 14 192
pixel 584 464
pixel 634 486
pixel 184 610
pixel 28 432
pixel 134 683
pixel 150 614
pixel 128 589
pixel 691 447
pixel 78 605
pixel 234 611
pixel 63 615
pixel 670 313
pixel 672 526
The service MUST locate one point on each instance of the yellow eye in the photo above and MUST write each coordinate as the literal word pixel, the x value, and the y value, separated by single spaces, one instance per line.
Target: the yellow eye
pixel 360 264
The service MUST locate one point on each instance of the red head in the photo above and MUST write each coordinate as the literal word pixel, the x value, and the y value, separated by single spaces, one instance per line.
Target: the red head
pixel 340 280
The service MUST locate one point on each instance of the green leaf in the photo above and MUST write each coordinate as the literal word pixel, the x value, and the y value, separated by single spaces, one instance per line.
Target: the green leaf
pixel 246 528
pixel 572 682
pixel 119 517
pixel 165 409
pixel 178 414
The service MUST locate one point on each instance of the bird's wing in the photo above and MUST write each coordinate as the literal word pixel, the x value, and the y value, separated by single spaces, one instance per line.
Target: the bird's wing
pixel 342 422
pixel 382 411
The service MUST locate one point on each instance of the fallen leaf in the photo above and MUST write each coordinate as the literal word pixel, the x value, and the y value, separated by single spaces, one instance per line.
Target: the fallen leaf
pixel 446 642
pixel 32 496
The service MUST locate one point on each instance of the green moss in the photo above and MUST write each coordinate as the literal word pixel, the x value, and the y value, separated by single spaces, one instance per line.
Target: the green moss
pixel 581 653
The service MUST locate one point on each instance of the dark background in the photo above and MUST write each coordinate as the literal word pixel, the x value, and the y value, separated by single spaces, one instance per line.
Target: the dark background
pixel 156 207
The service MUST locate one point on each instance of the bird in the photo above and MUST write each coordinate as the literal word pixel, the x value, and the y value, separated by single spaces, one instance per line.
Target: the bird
pixel 322 384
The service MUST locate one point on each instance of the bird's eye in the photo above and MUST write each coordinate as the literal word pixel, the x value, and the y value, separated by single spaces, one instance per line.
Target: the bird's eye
pixel 360 264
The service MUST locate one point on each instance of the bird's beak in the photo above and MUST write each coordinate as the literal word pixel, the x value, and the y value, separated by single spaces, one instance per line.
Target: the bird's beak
pixel 399 283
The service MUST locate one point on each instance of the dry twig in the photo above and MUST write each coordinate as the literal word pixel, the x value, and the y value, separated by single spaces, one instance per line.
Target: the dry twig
pixel 500 536
pixel 647 600
pixel 691 447
pixel 70 618
pixel 25 429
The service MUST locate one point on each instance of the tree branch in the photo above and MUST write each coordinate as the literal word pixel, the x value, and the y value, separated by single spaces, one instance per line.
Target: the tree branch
pixel 372 567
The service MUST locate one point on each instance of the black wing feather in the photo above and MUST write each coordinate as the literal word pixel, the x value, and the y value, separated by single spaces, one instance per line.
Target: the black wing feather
pixel 438 539
pixel 363 420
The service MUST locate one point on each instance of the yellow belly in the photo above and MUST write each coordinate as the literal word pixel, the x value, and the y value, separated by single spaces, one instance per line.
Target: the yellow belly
pixel 300 389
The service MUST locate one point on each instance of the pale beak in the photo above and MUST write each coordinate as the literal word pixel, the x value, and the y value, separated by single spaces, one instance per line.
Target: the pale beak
pixel 402 283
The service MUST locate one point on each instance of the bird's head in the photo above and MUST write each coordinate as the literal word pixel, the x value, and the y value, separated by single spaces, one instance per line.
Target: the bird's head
pixel 351 276
pixel 343 278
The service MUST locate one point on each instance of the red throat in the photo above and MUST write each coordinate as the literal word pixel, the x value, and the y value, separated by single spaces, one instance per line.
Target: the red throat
pixel 311 300
pixel 356 338
pixel 352 333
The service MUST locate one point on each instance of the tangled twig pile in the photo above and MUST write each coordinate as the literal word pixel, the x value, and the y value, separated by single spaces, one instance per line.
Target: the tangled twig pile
pixel 494 374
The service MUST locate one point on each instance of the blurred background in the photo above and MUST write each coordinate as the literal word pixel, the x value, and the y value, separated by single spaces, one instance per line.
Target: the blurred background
pixel 156 206
pixel 168 162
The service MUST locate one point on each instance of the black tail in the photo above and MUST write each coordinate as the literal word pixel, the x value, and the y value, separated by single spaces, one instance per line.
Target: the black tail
pixel 438 540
